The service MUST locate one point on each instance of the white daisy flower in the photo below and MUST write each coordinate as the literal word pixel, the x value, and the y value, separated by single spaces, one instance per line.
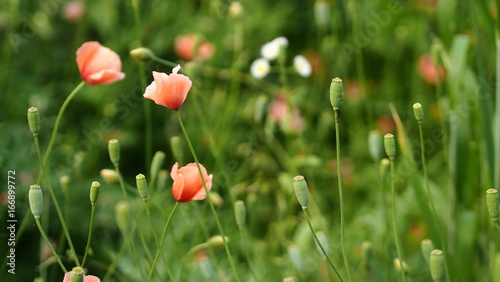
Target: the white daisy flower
pixel 260 68
pixel 271 50
pixel 302 65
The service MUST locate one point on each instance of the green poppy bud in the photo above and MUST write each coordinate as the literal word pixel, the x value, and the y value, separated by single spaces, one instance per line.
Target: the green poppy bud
pixel 114 151
pixel 437 266
pixel 301 190
pixel 36 200
pixel 142 186
pixel 419 113
pixel 94 192
pixel 34 120
pixel 336 93
pixel 240 213
pixel 492 203
pixel 142 54
pixel 390 145
pixel 426 246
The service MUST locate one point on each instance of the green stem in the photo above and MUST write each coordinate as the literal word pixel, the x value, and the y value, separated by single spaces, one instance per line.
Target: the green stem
pixel 122 183
pixel 308 218
pixel 162 240
pixel 431 201
pixel 54 199
pixel 394 226
pixel 56 126
pixel 219 226
pixel 37 220
pixel 341 195
pixel 164 62
pixel 90 235
pixel 169 272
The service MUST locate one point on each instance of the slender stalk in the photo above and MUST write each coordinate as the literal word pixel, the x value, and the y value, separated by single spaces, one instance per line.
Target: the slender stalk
pixel 431 201
pixel 40 228
pixel 122 183
pixel 56 126
pixel 169 272
pixel 396 240
pixel 90 235
pixel 341 195
pixel 308 218
pixel 219 226
pixel 164 62
pixel 162 240
pixel 54 199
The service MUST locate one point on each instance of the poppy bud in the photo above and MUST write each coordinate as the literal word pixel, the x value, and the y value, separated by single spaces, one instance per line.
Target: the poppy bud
pixel 240 214
pixel 336 93
pixel 419 113
pixel 142 54
pixel 426 246
pixel 36 200
pixel 34 120
pixel 492 203
pixel 437 266
pixel 156 164
pixel 390 145
pixel 142 186
pixel 114 151
pixel 301 190
pixel 94 192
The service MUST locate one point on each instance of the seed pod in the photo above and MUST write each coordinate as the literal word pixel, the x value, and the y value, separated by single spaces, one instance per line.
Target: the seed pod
pixel 122 213
pixel 426 246
pixel 324 243
pixel 142 186
pixel 36 200
pixel 176 147
pixel 77 274
pixel 34 120
pixel 384 165
pixel 437 266
pixel 216 241
pixel 295 257
pixel 375 145
pixel 156 164
pixel 390 145
pixel 142 54
pixel 336 93
pixel 301 190
pixel 492 203
pixel 240 213
pixel 419 113
pixel 94 192
pixel 114 151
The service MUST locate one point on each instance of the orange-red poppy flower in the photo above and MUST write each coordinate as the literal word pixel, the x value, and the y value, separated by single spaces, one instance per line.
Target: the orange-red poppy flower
pixel 169 90
pixel 98 64
pixel 190 46
pixel 87 278
pixel 431 73
pixel 188 184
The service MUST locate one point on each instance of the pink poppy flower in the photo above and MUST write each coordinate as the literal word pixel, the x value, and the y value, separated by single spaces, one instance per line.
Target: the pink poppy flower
pixel 98 64
pixel 169 90
pixel 87 278
pixel 188 184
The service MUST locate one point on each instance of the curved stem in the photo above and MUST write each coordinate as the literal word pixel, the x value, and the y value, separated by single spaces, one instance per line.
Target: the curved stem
pixel 396 240
pixel 164 62
pixel 211 204
pixel 56 126
pixel 54 199
pixel 37 220
pixel 90 235
pixel 169 273
pixel 429 195
pixel 341 195
pixel 162 240
pixel 308 218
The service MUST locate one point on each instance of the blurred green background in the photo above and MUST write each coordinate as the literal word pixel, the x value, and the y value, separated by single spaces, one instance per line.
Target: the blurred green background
pixel 376 47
